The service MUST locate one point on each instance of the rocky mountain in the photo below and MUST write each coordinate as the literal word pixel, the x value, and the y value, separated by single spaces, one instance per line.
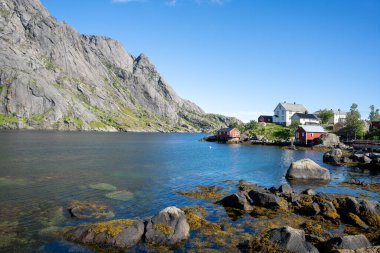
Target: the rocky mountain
pixel 52 77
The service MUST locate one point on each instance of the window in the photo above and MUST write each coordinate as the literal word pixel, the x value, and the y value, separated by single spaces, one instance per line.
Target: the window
pixel 311 134
pixel 303 134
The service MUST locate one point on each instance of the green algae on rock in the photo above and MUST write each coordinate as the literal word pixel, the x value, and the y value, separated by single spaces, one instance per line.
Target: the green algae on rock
pixel 123 195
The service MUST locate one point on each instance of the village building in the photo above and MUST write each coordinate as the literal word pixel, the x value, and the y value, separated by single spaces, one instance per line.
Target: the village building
pixel 225 134
pixel 284 112
pixel 338 117
pixel 266 119
pixel 306 134
pixel 305 119
pixel 375 125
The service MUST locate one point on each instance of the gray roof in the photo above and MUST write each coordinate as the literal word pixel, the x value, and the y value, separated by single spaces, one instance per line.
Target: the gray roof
pixel 305 116
pixel 334 111
pixel 294 107
pixel 313 128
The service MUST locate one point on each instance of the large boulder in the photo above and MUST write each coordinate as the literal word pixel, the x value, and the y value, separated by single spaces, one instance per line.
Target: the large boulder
pixel 348 242
pixel 307 169
pixel 366 210
pixel 285 189
pixel 268 200
pixel 240 200
pixel 374 249
pixel 114 233
pixel 291 239
pixel 169 227
pixel 333 156
pixel 329 140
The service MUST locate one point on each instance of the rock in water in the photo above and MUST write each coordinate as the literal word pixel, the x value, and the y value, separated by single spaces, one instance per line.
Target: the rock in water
pixel 267 200
pixel 307 169
pixel 52 77
pixel 291 239
pixel 333 156
pixel 169 227
pixel 114 233
pixel 239 200
pixel 86 210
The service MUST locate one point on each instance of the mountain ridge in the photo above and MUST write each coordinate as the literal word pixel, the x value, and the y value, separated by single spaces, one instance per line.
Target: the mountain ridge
pixel 52 77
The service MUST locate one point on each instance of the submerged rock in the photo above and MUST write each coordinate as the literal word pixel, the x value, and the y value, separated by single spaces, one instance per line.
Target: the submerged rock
pixel 291 239
pixel 169 227
pixel 116 233
pixel 103 186
pixel 307 169
pixel 87 209
pixel 120 195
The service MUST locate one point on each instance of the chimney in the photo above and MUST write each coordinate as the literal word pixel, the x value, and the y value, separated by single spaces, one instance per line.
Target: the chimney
pixel 284 102
pixel 294 102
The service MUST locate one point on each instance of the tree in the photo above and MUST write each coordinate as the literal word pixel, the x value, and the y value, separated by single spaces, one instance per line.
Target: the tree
pixel 354 125
pixel 325 115
pixel 251 125
pixel 374 114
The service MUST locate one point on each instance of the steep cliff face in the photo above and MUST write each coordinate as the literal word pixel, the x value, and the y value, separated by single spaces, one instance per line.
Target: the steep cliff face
pixel 52 77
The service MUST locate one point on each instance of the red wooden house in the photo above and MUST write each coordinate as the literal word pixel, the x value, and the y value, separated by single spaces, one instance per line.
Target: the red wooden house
pixel 308 133
pixel 266 119
pixel 228 133
pixel 375 125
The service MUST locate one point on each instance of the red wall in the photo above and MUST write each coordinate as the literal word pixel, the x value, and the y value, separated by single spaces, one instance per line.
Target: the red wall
pixel 232 134
pixel 308 136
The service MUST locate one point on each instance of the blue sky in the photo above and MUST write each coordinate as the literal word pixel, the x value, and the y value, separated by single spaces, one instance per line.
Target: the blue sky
pixel 242 57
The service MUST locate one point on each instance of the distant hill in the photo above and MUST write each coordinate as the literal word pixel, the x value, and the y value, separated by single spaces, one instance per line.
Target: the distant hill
pixel 52 77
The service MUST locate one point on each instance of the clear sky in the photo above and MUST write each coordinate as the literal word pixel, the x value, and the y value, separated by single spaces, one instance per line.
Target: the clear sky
pixel 242 57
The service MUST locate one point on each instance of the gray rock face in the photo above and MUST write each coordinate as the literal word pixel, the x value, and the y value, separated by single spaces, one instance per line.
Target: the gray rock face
pixel 307 169
pixel 309 192
pixel 333 156
pixel 239 200
pixel 268 200
pixel 285 189
pixel 291 239
pixel 116 233
pixel 52 77
pixel 349 242
pixel 168 227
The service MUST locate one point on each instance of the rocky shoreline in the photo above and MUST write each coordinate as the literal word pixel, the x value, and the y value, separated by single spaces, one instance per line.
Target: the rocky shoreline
pixel 277 219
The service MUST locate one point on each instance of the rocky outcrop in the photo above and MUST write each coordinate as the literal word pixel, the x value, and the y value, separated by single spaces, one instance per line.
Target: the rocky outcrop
pixel 114 233
pixel 307 169
pixel 52 77
pixel 168 227
pixel 333 156
pixel 86 210
pixel 329 140
pixel 239 200
pixel 291 239
pixel 268 200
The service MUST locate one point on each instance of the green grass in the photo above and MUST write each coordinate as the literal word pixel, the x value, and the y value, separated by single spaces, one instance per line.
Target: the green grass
pixel 97 125
pixel 8 118
pixel 1 88
pixel 4 13
pixel 78 122
pixel 38 117
pixel 49 64
pixel 272 131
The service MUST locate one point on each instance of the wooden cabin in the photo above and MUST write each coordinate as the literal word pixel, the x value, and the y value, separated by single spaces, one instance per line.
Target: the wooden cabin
pixel 265 118
pixel 228 133
pixel 308 133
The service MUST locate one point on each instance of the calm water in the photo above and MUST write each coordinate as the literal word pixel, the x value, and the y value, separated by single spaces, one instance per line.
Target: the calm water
pixel 41 172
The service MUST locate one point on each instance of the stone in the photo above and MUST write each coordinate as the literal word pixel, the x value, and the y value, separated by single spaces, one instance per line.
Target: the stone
pixel 333 156
pixel 329 140
pixel 309 192
pixel 285 189
pixel 87 209
pixel 120 195
pixel 169 227
pixel 268 200
pixel 365 159
pixel 348 242
pixel 328 211
pixel 103 186
pixel 356 221
pixel 307 169
pixel 291 239
pixel 239 200
pixel 115 233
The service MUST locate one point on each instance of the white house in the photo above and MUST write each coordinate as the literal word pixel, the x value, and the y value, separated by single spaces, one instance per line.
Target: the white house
pixel 284 112
pixel 305 118
pixel 338 117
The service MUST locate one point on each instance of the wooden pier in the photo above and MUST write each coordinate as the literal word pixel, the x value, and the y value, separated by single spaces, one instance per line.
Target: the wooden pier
pixel 371 145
